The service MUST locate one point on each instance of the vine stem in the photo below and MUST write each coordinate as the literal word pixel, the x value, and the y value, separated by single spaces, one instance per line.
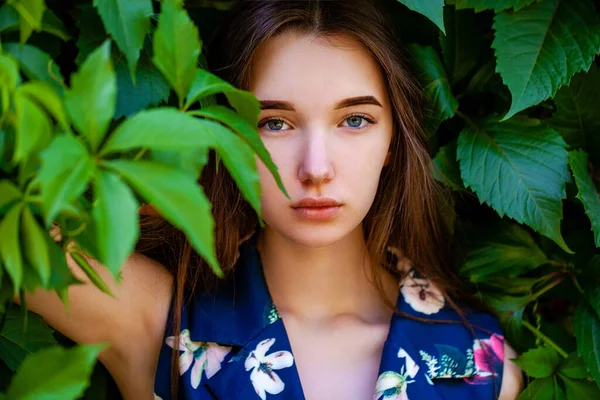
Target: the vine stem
pixel 544 338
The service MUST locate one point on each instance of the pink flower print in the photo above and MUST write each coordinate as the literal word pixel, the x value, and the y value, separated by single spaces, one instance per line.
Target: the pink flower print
pixel 488 355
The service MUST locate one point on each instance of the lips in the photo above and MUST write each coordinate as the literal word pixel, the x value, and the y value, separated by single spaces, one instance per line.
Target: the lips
pixel 316 202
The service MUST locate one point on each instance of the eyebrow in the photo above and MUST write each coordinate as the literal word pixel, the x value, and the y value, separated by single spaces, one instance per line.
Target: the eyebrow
pixel 289 106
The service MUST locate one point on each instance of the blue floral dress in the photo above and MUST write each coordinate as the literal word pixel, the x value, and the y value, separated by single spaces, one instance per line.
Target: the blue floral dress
pixel 233 345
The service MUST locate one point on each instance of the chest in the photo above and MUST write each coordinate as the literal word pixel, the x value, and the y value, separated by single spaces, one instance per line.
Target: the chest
pixel 339 360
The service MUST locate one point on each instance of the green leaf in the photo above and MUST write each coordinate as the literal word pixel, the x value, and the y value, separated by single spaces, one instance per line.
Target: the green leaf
pixel 31 13
pixel 176 197
pixel 46 96
pixel 190 162
pixel 91 101
pixel 10 249
pixel 447 169
pixel 91 273
pixel 496 5
pixel 432 75
pixel 462 44
pixel 128 22
pixel 504 250
pixel 9 20
pixel 61 276
pixel 35 64
pixel 117 221
pixel 540 362
pixel 589 279
pixel 206 84
pixel 8 193
pixel 580 389
pixel 65 172
pixel 589 196
pixel 33 128
pixel 432 9
pixel 15 344
pixel 150 88
pixel 9 72
pixel 519 167
pixel 586 327
pixel 576 117
pixel 539 389
pixel 176 47
pixel 66 373
pixel 35 245
pixel 540 48
pixel 573 367
pixel 246 131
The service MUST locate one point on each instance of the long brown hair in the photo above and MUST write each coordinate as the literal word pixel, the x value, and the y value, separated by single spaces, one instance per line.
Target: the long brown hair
pixel 406 213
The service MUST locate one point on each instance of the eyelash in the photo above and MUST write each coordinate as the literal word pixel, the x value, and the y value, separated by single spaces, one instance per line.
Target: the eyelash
pixel 370 121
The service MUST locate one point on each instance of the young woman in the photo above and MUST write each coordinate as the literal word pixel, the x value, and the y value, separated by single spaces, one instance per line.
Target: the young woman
pixel 347 291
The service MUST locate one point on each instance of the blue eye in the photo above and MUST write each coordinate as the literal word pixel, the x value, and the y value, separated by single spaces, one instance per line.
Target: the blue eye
pixel 272 124
pixel 355 121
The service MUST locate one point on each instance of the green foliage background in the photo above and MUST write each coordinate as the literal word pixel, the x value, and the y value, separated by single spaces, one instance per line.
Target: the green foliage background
pixel 106 103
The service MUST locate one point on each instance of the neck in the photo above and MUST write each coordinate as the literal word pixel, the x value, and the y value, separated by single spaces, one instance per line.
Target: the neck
pixel 324 282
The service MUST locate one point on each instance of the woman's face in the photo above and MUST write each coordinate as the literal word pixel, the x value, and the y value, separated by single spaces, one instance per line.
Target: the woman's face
pixel 327 122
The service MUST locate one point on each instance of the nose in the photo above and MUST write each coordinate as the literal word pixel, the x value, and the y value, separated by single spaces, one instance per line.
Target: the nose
pixel 315 166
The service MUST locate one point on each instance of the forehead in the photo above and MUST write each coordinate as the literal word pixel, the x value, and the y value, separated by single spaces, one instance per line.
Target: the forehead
pixel 319 71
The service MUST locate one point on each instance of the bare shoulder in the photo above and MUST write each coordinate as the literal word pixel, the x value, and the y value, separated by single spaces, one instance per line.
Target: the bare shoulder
pixel 512 380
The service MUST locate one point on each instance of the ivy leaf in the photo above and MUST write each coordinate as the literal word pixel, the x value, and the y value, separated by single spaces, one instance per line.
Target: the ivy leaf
pixel 206 84
pixel 586 326
pixel 10 249
pixel 496 5
pixel 65 172
pixel 176 47
pixel 576 117
pixel 190 162
pixel 128 22
pixel 33 128
pixel 431 73
pixel 9 71
pixel 538 363
pixel 432 9
pixel 150 88
pixel 46 96
pixel 35 246
pixel 15 344
pixel 589 196
pixel 580 389
pixel 8 193
pixel 91 273
pixel 505 250
pixel 10 20
pixel 66 373
pixel 92 98
pixel 178 198
pixel 31 13
pixel 539 389
pixel 573 367
pixel 540 48
pixel 35 64
pixel 448 170
pixel 519 167
pixel 117 221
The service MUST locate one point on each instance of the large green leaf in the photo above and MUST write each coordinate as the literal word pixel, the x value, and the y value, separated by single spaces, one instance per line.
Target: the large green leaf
pixel 10 248
pixel 92 98
pixel 540 362
pixel 15 344
pixel 178 198
pixel 35 246
pixel 432 9
pixel 576 116
pixel 432 75
pixel 581 389
pixel 31 13
pixel 573 367
pixel 8 193
pixel 117 221
pixel 35 64
pixel 206 84
pixel 589 196
pixel 505 250
pixel 539 389
pixel 65 374
pixel 540 48
pixel 496 5
pixel 65 172
pixel 150 88
pixel 46 96
pixel 128 22
pixel 9 73
pixel 519 167
pixel 33 127
pixel 176 47
pixel 586 326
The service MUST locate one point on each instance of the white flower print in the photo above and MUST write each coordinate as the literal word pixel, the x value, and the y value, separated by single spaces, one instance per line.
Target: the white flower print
pixel 392 385
pixel 208 356
pixel 262 376
pixel 422 295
